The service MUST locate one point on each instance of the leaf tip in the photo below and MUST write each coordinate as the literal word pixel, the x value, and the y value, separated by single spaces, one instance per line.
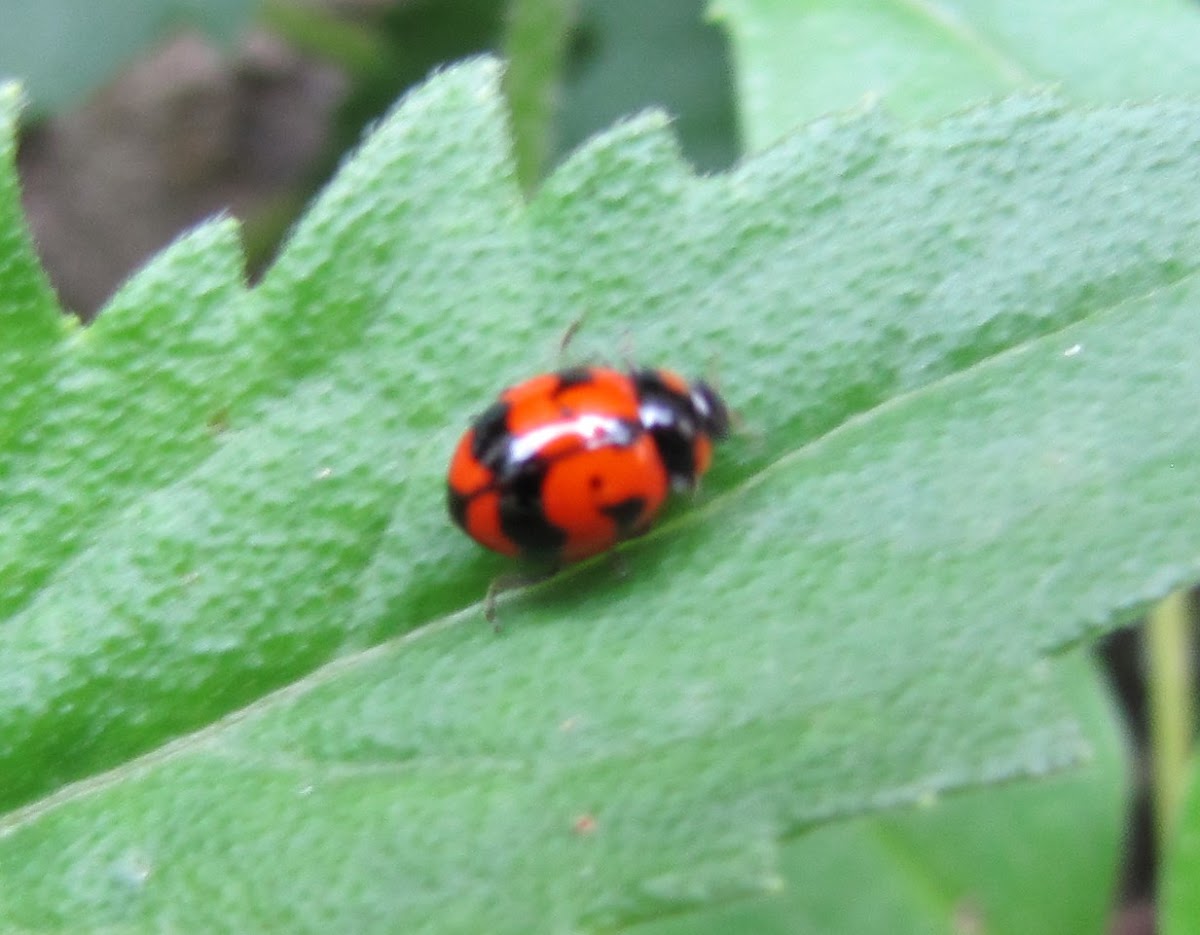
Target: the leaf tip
pixel 643 139
pixel 481 74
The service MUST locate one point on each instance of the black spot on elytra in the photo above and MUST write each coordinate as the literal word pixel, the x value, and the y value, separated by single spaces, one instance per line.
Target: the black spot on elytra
pixel 456 503
pixel 489 443
pixel 677 450
pixel 626 514
pixel 672 421
pixel 572 376
pixel 521 516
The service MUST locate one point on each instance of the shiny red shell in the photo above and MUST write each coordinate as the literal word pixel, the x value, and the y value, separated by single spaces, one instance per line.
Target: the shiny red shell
pixel 567 464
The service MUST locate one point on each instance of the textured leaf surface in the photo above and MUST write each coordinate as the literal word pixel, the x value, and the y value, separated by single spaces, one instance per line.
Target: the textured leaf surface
pixel 953 864
pixel 227 504
pixel 798 61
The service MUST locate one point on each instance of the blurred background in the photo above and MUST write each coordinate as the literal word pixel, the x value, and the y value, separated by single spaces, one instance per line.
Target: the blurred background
pixel 145 118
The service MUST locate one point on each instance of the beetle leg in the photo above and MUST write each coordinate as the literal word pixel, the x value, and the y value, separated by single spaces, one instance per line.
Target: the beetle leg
pixel 512 581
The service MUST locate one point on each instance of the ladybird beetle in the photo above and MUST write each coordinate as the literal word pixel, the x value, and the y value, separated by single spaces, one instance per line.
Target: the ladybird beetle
pixel 566 465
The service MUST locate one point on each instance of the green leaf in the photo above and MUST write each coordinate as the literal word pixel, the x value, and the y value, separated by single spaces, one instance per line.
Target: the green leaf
pixel 1180 901
pixel 244 672
pixel 797 61
pixel 63 49
pixel 29 317
pixel 953 864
